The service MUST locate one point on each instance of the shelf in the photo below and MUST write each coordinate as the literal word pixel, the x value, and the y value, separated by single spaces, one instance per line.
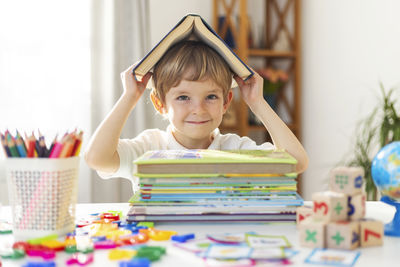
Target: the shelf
pixel 270 53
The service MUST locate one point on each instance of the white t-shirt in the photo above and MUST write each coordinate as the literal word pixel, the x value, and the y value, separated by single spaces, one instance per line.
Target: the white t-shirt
pixel 156 139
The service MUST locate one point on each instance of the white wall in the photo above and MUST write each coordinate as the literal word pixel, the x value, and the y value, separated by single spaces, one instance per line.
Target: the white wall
pixel 348 47
pixel 166 14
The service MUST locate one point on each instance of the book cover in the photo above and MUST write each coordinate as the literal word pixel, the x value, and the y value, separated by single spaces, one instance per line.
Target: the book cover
pixel 215 161
pixel 189 26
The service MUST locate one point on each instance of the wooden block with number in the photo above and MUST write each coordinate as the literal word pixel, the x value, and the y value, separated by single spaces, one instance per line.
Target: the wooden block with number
pixel 330 206
pixel 356 206
pixel 302 213
pixel 371 233
pixel 347 180
pixel 343 235
pixel 312 233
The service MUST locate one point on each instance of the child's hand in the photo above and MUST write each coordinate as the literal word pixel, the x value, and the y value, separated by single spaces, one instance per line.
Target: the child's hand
pixel 252 89
pixel 132 88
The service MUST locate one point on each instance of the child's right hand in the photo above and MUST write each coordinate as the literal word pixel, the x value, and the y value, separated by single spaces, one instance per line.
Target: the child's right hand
pixel 133 89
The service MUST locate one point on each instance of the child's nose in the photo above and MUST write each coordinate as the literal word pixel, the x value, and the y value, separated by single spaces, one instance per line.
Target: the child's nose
pixel 198 107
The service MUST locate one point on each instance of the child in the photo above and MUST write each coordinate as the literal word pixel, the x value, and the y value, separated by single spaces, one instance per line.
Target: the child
pixel 192 88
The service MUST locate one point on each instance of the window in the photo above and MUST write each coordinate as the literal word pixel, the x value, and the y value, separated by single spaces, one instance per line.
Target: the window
pixel 45 66
pixel 45 70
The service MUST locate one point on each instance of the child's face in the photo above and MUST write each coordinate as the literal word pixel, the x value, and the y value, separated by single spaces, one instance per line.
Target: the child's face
pixel 195 109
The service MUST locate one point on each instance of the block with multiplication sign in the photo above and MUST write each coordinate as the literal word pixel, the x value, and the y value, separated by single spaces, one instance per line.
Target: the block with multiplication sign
pixel 343 235
pixel 312 233
pixel 371 233
pixel 356 206
pixel 347 180
pixel 302 213
pixel 330 206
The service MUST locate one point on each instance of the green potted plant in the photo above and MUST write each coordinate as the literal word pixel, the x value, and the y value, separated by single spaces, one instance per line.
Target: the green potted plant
pixel 381 127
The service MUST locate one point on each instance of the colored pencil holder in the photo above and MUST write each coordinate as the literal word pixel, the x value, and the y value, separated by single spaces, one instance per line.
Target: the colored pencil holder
pixel 43 194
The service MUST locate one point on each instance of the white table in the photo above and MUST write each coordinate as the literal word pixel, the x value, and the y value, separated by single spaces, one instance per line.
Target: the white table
pixel 387 255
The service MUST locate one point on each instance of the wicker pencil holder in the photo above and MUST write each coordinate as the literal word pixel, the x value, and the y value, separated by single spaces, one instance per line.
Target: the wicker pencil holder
pixel 43 194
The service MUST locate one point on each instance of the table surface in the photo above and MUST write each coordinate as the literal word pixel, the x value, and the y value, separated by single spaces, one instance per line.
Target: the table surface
pixel 386 255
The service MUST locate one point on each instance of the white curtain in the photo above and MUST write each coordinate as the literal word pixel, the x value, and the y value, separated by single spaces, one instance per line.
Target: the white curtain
pixel 120 37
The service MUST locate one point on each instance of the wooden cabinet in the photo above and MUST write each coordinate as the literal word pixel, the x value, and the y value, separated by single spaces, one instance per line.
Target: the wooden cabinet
pixel 280 17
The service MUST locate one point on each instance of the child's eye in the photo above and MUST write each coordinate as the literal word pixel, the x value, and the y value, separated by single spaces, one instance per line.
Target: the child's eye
pixel 182 97
pixel 212 97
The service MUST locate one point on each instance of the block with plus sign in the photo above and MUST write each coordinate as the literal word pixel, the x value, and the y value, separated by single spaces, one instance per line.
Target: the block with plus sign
pixel 312 233
pixel 343 235
pixel 302 213
pixel 356 206
pixel 347 180
pixel 371 233
pixel 330 206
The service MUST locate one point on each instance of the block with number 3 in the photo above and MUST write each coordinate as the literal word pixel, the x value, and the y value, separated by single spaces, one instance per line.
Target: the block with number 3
pixel 330 206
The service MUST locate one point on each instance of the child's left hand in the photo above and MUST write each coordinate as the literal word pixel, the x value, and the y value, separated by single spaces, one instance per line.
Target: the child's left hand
pixel 252 89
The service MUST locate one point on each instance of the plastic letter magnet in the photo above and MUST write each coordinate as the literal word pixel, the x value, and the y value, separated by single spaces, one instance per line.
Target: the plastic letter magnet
pixel 136 262
pixel 182 238
pixel 80 259
pixel 40 264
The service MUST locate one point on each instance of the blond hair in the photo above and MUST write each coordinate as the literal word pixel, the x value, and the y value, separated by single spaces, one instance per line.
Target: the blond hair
pixel 193 61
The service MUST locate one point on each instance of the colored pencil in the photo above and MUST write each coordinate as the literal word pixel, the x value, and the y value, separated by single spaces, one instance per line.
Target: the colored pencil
pixel 12 147
pixel 55 152
pixel 77 145
pixel 5 146
pixel 20 146
pixel 67 148
pixel 31 146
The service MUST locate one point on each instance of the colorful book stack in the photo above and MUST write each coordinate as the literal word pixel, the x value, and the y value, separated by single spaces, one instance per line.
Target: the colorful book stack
pixel 211 185
pixel 31 147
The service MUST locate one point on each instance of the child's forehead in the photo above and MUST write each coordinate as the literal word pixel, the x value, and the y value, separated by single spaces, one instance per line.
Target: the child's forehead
pixel 205 84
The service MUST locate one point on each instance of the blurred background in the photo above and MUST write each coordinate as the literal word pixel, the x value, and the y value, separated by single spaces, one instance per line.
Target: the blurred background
pixel 323 63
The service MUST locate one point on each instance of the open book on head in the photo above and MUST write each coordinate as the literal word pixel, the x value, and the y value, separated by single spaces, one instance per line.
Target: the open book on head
pixel 192 26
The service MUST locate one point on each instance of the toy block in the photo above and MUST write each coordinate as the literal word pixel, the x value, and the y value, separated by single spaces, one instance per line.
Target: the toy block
pixel 312 233
pixel 343 235
pixel 302 213
pixel 330 206
pixel 347 180
pixel 356 206
pixel 371 233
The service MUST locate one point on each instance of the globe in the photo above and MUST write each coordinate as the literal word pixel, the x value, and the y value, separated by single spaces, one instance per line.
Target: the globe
pixel 385 171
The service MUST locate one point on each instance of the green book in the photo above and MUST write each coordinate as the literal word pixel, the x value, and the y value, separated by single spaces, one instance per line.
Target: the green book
pixel 208 161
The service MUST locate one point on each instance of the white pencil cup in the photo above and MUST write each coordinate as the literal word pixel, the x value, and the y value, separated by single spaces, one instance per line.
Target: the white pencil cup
pixel 43 194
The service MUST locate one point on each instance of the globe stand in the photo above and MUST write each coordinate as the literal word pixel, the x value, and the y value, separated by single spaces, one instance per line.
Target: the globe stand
pixel 392 228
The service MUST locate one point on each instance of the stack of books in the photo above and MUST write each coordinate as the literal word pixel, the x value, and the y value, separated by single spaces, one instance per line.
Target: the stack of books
pixel 211 185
